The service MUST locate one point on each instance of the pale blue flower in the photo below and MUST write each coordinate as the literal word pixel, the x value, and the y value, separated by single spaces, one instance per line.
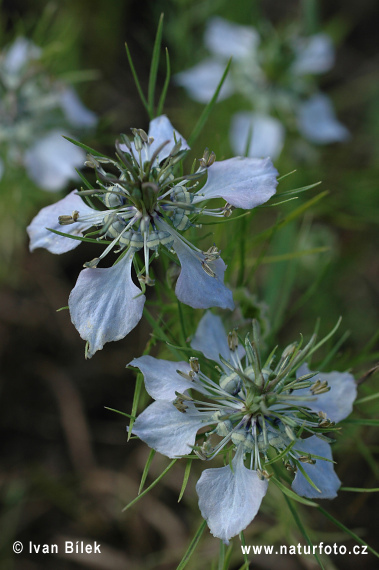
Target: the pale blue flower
pixel 35 112
pixel 274 78
pixel 148 207
pixel 253 410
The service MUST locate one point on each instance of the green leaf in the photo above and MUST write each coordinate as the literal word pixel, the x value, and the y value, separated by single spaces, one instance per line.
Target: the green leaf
pixel 165 85
pixel 146 470
pixel 79 238
pixel 358 490
pixel 136 81
pixel 363 422
pixel 243 542
pixel 185 478
pixel 85 147
pixel 192 547
pixel 170 465
pixel 119 412
pixel 154 66
pixel 207 110
pixel 136 397
pixel 302 529
pixel 305 474
pixel 292 494
pixel 292 216
pixel 347 530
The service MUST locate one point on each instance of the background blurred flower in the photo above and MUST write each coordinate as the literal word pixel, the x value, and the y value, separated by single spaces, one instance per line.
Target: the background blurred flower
pixel 35 112
pixel 274 75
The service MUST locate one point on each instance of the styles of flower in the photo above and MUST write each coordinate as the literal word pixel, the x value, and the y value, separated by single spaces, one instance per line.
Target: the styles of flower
pixel 35 113
pixel 144 207
pixel 260 412
pixel 274 72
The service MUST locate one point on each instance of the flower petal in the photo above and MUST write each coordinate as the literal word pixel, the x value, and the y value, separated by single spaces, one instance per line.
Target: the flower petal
pixel 338 402
pixel 243 182
pixel 229 500
pixel 52 160
pixel 195 287
pixel 267 135
pixel 321 473
pixel 201 81
pixel 48 218
pixel 105 304
pixel 161 377
pixel 167 430
pixel 318 123
pixel 226 39
pixel 19 54
pixel 210 338
pixel 76 113
pixel 314 54
pixel 162 130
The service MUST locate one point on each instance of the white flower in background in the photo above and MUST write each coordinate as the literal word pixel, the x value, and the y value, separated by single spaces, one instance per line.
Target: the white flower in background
pixel 144 208
pixel 255 410
pixel 35 113
pixel 275 76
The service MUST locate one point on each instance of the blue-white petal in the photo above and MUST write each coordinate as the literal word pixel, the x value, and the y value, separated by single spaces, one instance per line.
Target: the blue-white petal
pixel 266 135
pixel 19 54
pixel 52 160
pixel 40 236
pixel 314 54
pixel 226 39
pixel 194 286
pixel 105 305
pixel 210 338
pixel 201 81
pixel 243 182
pixel 317 121
pixel 161 130
pixel 167 430
pixel 161 377
pixel 338 402
pixel 76 113
pixel 229 500
pixel 321 473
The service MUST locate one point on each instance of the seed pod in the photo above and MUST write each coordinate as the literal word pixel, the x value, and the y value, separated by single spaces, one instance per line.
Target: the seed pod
pixel 112 199
pixel 180 221
pixel 166 239
pixel 231 383
pixel 152 241
pixel 136 241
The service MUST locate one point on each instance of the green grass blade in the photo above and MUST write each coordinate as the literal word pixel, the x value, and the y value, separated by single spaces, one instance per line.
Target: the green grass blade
pixel 185 478
pixel 347 530
pixel 79 238
pixel 154 66
pixel 302 529
pixel 136 397
pixel 206 112
pixel 146 470
pixel 192 547
pixel 358 490
pixel 85 147
pixel 162 98
pixel 169 466
pixel 121 413
pixel 136 81
pixel 292 494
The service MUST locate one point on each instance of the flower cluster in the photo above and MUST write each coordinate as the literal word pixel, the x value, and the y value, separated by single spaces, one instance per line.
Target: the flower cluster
pixel 35 113
pixel 258 412
pixel 143 204
pixel 274 74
